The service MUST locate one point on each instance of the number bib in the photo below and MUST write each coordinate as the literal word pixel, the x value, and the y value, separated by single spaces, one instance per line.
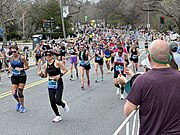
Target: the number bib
pixel 134 57
pixel 52 84
pixel 16 72
pixel 98 58
pixel 119 68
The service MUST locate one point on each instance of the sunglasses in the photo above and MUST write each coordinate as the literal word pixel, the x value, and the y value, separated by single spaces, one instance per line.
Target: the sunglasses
pixel 48 55
pixel 13 51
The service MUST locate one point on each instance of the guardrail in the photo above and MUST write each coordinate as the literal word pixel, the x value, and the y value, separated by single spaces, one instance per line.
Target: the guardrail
pixel 126 123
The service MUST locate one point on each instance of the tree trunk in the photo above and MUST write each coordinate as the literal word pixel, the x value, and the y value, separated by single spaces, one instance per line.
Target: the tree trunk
pixel 178 25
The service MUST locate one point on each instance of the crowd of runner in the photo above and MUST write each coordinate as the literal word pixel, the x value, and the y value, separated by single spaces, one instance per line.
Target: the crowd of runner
pixel 109 48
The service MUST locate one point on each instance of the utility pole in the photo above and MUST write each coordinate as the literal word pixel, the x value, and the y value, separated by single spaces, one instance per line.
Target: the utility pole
pixel 62 19
pixel 23 29
pixel 148 23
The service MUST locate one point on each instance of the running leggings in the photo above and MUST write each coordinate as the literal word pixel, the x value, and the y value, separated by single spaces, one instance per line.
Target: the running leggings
pixel 55 97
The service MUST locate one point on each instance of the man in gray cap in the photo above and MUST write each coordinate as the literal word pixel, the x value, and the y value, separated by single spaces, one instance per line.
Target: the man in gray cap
pixel 174 46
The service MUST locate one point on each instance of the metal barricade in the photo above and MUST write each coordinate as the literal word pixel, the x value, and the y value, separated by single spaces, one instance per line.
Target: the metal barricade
pixel 126 123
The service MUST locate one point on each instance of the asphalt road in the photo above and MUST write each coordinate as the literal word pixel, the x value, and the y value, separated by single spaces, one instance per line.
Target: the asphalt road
pixel 97 110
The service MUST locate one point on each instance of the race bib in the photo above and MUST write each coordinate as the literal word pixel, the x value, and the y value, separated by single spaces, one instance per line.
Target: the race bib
pixel 52 84
pixel 83 63
pixel 16 72
pixel 98 58
pixel 119 68
pixel 71 50
pixel 107 56
pixel 134 57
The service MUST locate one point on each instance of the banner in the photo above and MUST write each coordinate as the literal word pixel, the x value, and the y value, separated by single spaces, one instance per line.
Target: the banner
pixel 65 11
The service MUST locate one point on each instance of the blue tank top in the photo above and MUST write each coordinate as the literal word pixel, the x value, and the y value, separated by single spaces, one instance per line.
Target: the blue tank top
pixel 107 53
pixel 17 63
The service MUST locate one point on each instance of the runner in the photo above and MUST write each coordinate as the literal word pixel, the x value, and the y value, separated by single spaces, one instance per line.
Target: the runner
pixel 134 53
pixel 84 64
pixel 99 62
pixel 120 65
pixel 38 54
pixel 73 51
pixel 146 46
pixel 18 65
pixel 107 54
pixel 53 69
pixel 63 53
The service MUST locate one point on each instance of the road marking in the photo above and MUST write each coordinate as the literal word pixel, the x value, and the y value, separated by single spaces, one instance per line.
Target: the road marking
pixel 5 94
pixel 8 93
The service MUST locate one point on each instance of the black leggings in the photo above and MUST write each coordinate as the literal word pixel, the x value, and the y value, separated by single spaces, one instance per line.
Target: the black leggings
pixel 55 97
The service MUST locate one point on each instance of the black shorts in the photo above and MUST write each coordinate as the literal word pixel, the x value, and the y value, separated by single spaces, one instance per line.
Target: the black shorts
pixel 0 65
pixel 18 79
pixel 112 60
pixel 146 46
pixel 117 73
pixel 86 67
pixel 38 57
pixel 100 62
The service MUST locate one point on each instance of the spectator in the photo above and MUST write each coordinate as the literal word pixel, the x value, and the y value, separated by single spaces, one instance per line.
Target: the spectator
pixel 174 46
pixel 157 93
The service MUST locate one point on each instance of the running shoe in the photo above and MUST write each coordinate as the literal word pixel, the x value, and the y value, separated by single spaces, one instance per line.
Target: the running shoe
pixel 77 75
pixel 112 69
pixel 122 97
pixel 18 106
pixel 66 108
pixel 88 83
pixel 71 78
pixel 22 109
pixel 82 87
pixel 109 71
pixel 96 80
pixel 118 91
pixel 57 119
pixel 102 79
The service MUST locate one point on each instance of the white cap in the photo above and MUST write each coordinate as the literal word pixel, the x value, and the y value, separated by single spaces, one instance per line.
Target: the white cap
pixel 146 63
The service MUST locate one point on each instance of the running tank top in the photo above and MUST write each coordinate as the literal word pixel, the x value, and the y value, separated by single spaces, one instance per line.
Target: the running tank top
pixel 17 64
pixel 119 63
pixel 107 53
pixel 119 60
pixel 72 51
pixel 52 70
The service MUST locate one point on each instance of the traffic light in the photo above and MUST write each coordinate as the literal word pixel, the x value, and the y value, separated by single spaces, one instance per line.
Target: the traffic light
pixel 162 19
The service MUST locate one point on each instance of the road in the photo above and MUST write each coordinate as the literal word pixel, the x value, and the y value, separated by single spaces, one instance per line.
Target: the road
pixel 97 110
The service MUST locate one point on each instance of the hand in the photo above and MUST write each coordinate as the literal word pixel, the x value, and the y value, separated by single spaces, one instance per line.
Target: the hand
pixel 19 69
pixel 57 77
pixel 129 72
pixel 40 73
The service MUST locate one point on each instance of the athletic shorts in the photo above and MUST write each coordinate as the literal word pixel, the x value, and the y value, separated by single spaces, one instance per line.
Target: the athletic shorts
pixel 38 57
pixel 86 67
pixel 100 62
pixel 73 59
pixel 18 79
pixel 107 59
pixel 117 73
